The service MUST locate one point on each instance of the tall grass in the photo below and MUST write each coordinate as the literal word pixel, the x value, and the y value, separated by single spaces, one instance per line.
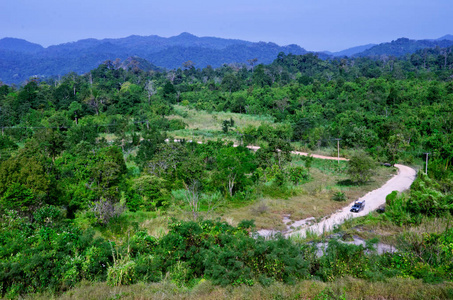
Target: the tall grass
pixel 202 124
pixel 345 288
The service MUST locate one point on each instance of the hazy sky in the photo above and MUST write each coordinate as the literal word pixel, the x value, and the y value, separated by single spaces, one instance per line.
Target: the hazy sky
pixel 313 24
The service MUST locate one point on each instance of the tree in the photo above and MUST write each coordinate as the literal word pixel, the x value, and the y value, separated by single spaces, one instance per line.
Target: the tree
pixel 6 147
pixel 169 92
pixel 107 172
pixel 252 62
pixel 51 141
pixel 96 100
pixel 75 111
pixel 278 152
pixel 396 144
pixel 152 191
pixel 29 97
pixel 360 167
pixel 148 146
pixel 19 197
pixel 233 164
pixel 150 90
pixel 231 83
pixel 192 197
pixel 24 182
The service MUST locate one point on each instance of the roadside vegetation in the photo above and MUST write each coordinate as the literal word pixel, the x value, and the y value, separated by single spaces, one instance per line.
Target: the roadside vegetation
pixel 98 200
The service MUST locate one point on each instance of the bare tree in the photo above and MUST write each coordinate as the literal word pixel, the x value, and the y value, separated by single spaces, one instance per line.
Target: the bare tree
pixel 252 62
pixel 149 87
pixel 192 197
pixel 188 65
pixel 96 100
pixel 282 104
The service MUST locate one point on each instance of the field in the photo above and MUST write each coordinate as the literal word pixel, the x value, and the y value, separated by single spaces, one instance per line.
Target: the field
pixel 208 126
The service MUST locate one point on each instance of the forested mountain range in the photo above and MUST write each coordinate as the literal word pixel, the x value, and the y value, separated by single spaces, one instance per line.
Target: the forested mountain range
pixel 20 59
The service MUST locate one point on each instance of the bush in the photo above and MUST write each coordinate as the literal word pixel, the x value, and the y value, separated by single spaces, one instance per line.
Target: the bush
pixel 47 254
pixel 104 210
pixel 298 174
pixel 177 124
pixel 342 259
pixel 339 196
pixel 228 255
pixel 122 272
pixel 360 167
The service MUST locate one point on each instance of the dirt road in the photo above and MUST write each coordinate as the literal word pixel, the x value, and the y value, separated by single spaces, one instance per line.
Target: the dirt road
pixel 400 182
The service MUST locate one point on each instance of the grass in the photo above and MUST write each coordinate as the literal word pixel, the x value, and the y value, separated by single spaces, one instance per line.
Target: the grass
pixel 204 125
pixel 378 226
pixel 312 199
pixel 345 288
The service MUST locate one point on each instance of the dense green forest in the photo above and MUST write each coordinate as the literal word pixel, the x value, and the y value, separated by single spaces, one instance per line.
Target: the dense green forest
pixel 85 159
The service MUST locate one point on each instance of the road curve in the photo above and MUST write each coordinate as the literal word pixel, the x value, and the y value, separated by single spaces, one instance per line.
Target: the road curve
pixel 400 182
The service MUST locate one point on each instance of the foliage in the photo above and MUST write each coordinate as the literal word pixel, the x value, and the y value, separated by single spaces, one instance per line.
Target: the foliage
pixel 229 255
pixel 423 199
pixel 298 174
pixel 122 272
pixel 339 196
pixel 361 167
pixel 47 254
pixel 85 145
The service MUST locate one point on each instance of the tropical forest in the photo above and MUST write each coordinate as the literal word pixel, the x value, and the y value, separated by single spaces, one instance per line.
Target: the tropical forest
pixel 132 181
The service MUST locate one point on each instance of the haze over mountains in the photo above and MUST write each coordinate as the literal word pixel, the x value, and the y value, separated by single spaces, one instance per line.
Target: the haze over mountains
pixel 20 59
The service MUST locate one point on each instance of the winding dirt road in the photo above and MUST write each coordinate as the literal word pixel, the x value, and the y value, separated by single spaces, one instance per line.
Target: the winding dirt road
pixel 400 182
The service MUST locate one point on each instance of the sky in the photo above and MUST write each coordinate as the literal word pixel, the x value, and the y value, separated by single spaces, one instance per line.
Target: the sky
pixel 315 25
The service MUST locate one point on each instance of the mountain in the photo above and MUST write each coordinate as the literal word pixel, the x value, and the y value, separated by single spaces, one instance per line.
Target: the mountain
pixel 19 45
pixel 403 46
pixel 20 59
pixel 353 50
pixel 447 37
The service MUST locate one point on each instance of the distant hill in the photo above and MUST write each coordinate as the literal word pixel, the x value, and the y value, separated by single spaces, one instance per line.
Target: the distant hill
pixel 20 59
pixel 12 44
pixel 403 46
pixel 353 50
pixel 447 37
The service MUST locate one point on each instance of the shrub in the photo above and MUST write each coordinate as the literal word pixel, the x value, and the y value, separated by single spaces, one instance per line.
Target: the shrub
pixel 390 198
pixel 104 210
pixel 339 196
pixel 360 167
pixel 177 124
pixel 228 255
pixel 298 174
pixel 47 254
